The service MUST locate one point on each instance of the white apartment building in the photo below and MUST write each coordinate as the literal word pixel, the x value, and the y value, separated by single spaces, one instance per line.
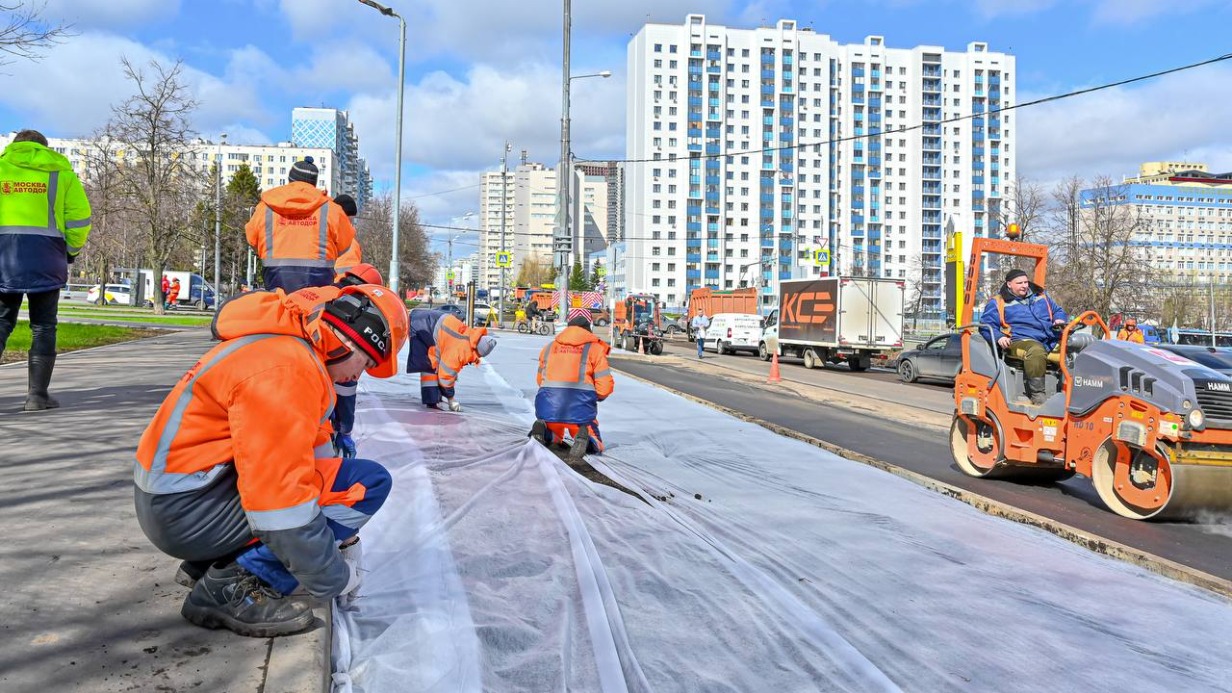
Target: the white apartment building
pixel 495 186
pixel 1187 212
pixel 269 163
pixel 530 209
pixel 753 147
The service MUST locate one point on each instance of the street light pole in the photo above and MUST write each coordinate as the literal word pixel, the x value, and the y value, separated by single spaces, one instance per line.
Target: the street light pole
pixel 563 177
pixel 217 228
pixel 504 205
pixel 393 249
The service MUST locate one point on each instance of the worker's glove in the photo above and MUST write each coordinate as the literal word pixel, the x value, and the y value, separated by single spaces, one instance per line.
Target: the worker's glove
pixel 454 405
pixel 345 445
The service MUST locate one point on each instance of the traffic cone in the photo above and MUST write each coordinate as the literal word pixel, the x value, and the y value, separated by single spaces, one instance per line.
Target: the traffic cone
pixel 774 369
pixel 641 346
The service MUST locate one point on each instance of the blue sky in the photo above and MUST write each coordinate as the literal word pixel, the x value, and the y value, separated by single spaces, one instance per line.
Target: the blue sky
pixel 483 71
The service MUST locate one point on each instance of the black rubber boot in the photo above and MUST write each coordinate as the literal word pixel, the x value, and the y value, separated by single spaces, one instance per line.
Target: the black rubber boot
pixel 1035 390
pixel 232 598
pixel 40 368
pixel 538 431
pixel 580 442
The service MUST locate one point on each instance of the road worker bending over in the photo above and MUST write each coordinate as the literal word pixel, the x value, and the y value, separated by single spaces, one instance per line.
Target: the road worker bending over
pixel 236 474
pixel 441 346
pixel 573 378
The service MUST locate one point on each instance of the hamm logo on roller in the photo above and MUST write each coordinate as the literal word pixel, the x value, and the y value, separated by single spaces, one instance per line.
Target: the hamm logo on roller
pixel 808 307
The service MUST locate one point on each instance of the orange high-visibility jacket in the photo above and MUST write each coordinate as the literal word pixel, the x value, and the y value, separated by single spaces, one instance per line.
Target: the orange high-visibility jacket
pixel 352 256
pixel 1135 336
pixel 259 401
pixel 457 346
pixel 573 377
pixel 299 233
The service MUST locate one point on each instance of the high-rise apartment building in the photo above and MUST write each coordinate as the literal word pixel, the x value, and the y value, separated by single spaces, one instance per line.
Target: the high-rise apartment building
pixel 529 193
pixel 1187 215
pixel 496 207
pixel 331 128
pixel 752 148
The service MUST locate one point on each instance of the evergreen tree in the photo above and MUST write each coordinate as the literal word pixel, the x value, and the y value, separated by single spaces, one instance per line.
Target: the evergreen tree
pixel 577 278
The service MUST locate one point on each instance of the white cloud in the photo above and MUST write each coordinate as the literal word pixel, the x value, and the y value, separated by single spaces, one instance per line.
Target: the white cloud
pixel 93 14
pixel 309 18
pixel 348 66
pixel 1110 132
pixel 69 93
pixel 453 123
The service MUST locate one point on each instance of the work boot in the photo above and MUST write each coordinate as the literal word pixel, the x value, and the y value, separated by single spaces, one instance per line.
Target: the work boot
pixel 189 573
pixel 40 368
pixel 580 442
pixel 1035 390
pixel 233 598
pixel 539 431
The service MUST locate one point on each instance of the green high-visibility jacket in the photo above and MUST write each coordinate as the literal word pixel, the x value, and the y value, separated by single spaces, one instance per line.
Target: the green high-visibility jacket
pixel 44 218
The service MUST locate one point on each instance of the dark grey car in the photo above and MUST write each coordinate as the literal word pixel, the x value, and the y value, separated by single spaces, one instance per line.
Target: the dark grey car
pixel 1215 358
pixel 940 358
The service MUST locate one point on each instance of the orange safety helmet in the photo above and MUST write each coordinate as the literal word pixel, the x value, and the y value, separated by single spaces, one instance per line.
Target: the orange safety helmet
pixel 360 273
pixel 373 319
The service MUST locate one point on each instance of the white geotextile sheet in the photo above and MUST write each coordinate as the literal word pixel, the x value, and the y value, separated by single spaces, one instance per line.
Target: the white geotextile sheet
pixel 771 566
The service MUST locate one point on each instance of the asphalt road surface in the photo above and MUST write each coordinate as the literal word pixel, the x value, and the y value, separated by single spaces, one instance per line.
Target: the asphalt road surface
pixel 1205 547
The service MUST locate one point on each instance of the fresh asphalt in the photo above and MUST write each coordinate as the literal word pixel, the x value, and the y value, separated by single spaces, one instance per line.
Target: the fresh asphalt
pixel 1204 547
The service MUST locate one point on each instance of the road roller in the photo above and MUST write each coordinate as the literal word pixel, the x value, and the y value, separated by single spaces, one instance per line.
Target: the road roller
pixel 1150 429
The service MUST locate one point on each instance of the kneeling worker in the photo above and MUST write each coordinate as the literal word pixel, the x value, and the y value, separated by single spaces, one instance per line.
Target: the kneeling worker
pixel 236 474
pixel 573 378
pixel 441 346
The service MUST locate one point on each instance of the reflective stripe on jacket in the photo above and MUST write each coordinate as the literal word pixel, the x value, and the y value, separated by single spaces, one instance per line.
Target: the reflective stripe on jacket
pixel 573 377
pixel 44 218
pixel 299 234
pixel 441 344
pixel 259 402
pixel 352 256
pixel 1030 317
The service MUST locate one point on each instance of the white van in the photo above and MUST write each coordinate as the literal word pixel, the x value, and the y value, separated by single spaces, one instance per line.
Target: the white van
pixel 732 332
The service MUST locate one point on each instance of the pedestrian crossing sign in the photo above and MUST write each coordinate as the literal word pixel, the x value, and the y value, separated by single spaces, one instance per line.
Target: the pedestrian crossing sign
pixel 504 259
pixel 821 257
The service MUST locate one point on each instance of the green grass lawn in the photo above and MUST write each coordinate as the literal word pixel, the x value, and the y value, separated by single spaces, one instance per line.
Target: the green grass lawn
pixel 136 315
pixel 70 337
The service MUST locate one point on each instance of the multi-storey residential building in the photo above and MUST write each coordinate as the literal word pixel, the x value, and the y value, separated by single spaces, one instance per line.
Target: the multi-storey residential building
pixel 1188 217
pixel 269 163
pixel 750 148
pixel 497 206
pixel 331 128
pixel 613 176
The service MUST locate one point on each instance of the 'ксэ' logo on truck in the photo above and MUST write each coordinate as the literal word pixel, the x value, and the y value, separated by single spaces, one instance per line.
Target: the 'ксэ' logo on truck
pixel 808 307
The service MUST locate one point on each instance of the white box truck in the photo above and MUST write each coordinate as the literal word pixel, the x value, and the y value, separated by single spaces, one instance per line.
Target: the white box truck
pixel 836 319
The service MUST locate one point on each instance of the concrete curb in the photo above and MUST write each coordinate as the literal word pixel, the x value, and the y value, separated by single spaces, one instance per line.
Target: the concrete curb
pixel 1087 540
pixel 285 668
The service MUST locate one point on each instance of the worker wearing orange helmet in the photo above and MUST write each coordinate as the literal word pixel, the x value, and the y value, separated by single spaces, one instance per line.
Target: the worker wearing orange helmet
pixel 343 418
pixel 1129 332
pixel 441 346
pixel 298 231
pixel 573 378
pixel 235 475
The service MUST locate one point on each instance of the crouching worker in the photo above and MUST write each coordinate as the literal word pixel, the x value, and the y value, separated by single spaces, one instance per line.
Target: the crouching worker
pixel 343 418
pixel 236 475
pixel 441 346
pixel 573 378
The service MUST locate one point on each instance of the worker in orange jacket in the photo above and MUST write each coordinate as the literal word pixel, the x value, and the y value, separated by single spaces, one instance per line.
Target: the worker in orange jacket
pixel 441 346
pixel 354 254
pixel 1130 332
pixel 298 232
pixel 573 378
pixel 236 476
pixel 343 416
pixel 173 293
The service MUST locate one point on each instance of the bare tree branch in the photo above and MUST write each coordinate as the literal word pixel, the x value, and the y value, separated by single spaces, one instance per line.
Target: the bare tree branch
pixel 24 34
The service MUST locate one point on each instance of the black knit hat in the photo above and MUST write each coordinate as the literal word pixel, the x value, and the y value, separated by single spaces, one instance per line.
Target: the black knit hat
pixel 347 203
pixel 1014 274
pixel 304 171
pixel 360 321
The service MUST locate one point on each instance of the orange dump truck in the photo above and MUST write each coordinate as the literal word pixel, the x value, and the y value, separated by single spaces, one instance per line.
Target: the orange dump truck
pixel 712 302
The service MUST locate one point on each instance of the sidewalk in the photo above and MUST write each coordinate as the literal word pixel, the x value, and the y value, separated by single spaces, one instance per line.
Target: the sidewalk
pixel 89 604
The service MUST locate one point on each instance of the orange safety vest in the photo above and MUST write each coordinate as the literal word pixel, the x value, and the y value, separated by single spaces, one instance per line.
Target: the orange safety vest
pixel 456 347
pixel 1005 326
pixel 1135 336
pixel 298 226
pixel 573 377
pixel 352 256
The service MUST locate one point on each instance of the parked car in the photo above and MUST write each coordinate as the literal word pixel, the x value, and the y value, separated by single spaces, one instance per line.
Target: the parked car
pixel 733 332
pixel 940 358
pixel 600 317
pixel 453 309
pixel 113 294
pixel 1215 358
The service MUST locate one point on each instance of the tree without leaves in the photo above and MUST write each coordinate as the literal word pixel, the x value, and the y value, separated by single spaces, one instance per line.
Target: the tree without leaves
pixel 534 272
pixel 160 187
pixel 375 228
pixel 24 34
